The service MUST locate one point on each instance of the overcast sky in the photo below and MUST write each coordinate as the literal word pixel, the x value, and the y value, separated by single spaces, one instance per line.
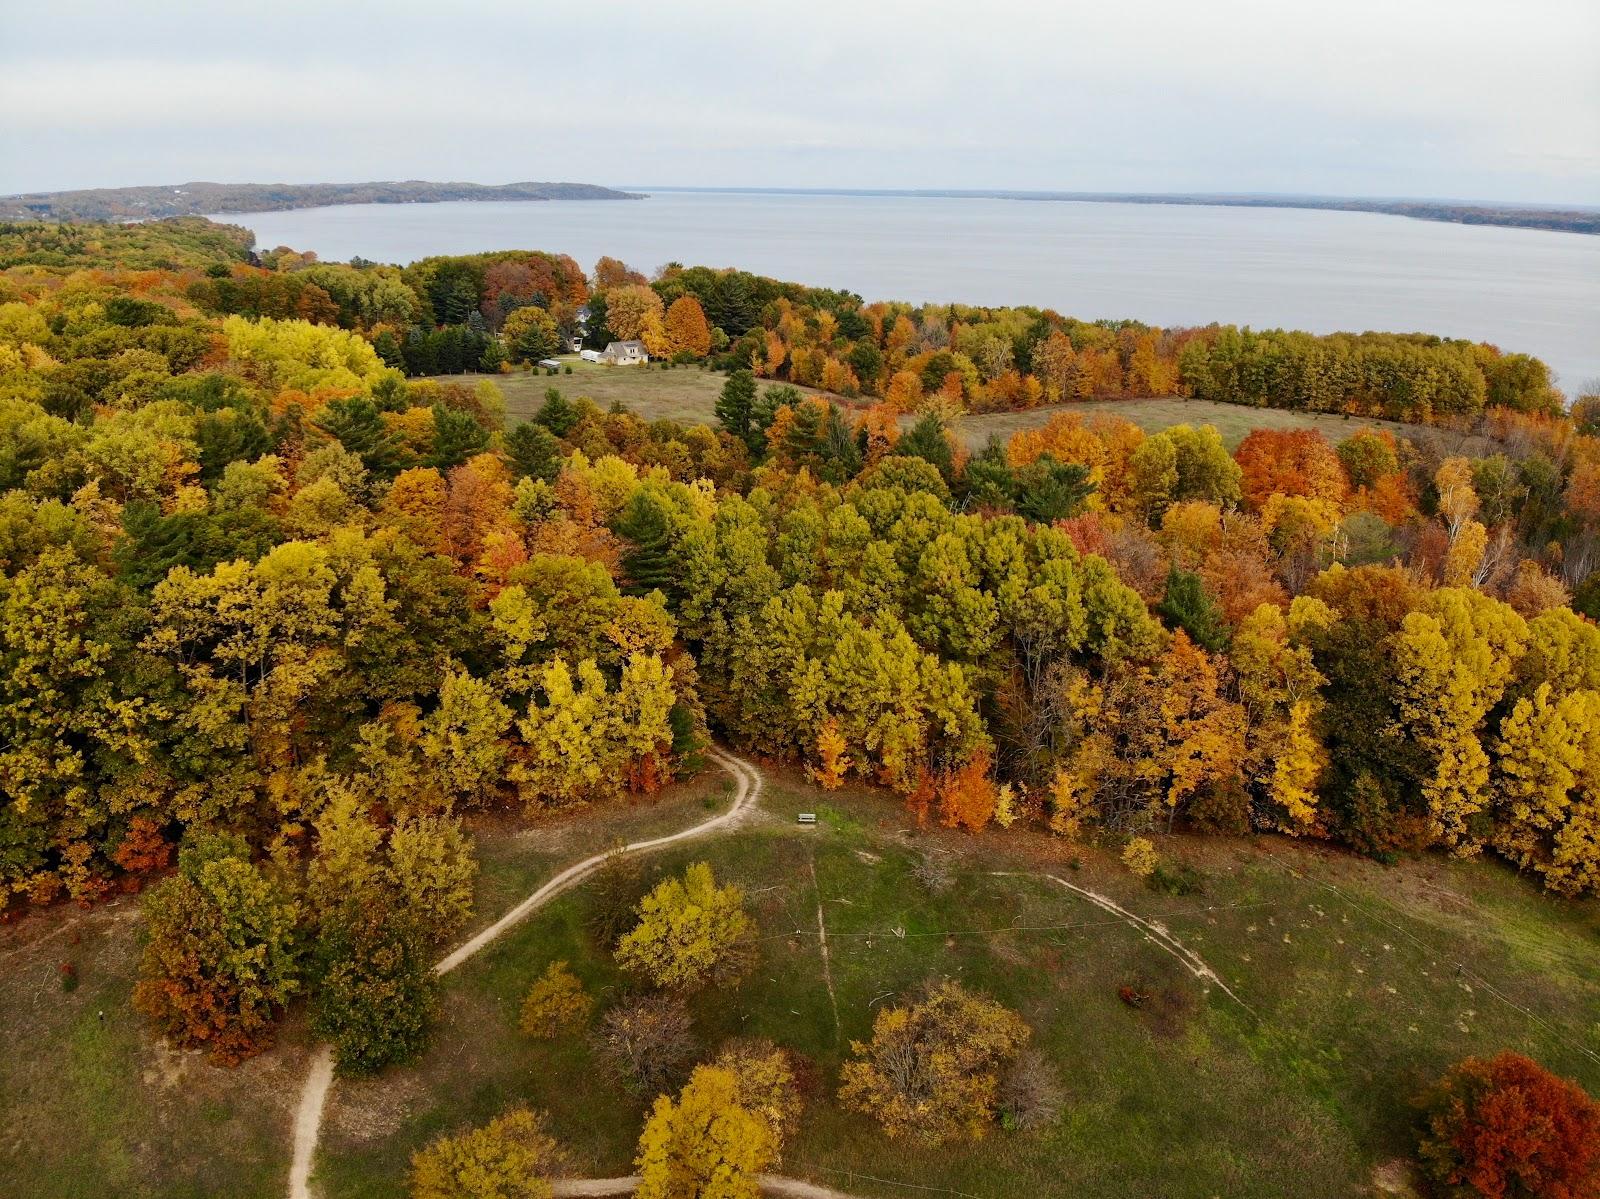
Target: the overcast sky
pixel 1480 99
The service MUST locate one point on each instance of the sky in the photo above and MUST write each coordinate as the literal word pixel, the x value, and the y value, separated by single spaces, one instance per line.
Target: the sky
pixel 1464 99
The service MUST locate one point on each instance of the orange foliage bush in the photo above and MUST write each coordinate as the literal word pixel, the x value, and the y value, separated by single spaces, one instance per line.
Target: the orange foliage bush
pixel 1508 1127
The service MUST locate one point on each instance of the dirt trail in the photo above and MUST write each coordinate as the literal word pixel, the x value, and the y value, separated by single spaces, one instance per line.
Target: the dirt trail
pixel 1155 932
pixel 319 1079
pixel 771 1184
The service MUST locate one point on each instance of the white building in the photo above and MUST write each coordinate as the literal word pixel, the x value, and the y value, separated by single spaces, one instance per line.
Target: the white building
pixel 625 353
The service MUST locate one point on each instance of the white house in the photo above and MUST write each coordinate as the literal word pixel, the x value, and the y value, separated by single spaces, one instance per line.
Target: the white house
pixel 625 353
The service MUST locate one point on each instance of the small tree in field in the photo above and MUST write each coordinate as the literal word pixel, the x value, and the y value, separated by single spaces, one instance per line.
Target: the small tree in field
pixel 931 1072
pixel 704 1145
pixel 645 1043
pixel 511 1157
pixel 1507 1128
pixel 690 932
pixel 555 1004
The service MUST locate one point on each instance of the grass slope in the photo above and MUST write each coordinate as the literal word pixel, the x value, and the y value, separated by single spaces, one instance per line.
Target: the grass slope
pixel 1232 421
pixel 1362 983
pixel 688 395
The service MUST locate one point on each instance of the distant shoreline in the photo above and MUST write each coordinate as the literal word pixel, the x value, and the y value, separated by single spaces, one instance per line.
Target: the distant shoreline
pixel 120 204
pixel 1572 219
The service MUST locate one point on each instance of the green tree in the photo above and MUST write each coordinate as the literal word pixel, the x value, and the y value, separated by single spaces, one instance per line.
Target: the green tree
pixel 358 426
pixel 735 402
pixel 534 451
pixel 376 991
pixel 926 440
pixel 457 436
pixel 1188 606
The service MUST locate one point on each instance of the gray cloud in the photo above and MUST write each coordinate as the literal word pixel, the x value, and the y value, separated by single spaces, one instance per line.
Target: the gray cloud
pixel 1460 98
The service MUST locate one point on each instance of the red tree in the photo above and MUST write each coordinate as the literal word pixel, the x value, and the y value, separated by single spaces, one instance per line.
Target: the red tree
pixel 1508 1128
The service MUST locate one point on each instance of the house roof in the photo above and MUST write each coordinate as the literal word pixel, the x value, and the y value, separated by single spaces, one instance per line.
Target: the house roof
pixel 625 345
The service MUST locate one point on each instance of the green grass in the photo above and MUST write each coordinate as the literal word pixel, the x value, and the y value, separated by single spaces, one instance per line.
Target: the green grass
pixel 1362 983
pixel 94 1107
pixel 1232 421
pixel 686 394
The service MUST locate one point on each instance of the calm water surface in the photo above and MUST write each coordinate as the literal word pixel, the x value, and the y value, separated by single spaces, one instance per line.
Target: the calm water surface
pixel 1521 289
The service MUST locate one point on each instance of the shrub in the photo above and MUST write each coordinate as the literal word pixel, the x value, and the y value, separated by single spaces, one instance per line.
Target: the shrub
pixel 1030 1095
pixel 690 932
pixel 1182 880
pixel 1508 1127
pixel 646 1042
pixel 555 1004
pixel 931 1071
pixel 511 1157
pixel 1140 856
pixel 933 872
pixel 616 890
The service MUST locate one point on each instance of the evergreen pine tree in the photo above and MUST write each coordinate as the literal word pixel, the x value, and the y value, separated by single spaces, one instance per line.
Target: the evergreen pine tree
pixel 557 413
pixel 1188 605
pixel 926 440
pixel 535 452
pixel 457 436
pixel 358 426
pixel 648 562
pixel 734 404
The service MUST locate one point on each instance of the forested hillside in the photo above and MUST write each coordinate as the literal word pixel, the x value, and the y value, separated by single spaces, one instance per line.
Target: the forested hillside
pixel 267 597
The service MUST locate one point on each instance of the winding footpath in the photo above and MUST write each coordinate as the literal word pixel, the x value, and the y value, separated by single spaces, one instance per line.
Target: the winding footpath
pixel 747 790
pixel 319 1079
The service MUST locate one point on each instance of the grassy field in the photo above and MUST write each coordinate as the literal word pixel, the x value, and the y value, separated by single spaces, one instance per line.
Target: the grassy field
pixel 92 1108
pixel 1232 421
pixel 1357 985
pixel 688 395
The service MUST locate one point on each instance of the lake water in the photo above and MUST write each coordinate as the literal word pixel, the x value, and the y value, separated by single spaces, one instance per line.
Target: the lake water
pixel 1522 289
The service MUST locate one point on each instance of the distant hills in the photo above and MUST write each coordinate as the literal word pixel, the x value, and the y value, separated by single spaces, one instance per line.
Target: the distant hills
pixel 192 199
pixel 1574 219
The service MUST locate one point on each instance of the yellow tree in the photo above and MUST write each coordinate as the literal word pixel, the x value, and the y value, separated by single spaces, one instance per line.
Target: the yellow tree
pixel 931 1071
pixel 1278 686
pixel 1454 656
pixel 511 1157
pixel 704 1145
pixel 690 932
pixel 1547 788
pixel 634 310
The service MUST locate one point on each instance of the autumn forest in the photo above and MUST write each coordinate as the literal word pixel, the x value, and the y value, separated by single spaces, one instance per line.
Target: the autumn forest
pixel 292 612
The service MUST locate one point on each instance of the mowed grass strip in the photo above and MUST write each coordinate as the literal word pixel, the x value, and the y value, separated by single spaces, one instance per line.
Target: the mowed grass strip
pixel 1233 421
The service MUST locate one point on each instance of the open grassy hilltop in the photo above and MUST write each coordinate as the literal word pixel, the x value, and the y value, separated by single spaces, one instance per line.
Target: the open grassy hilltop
pixel 688 394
